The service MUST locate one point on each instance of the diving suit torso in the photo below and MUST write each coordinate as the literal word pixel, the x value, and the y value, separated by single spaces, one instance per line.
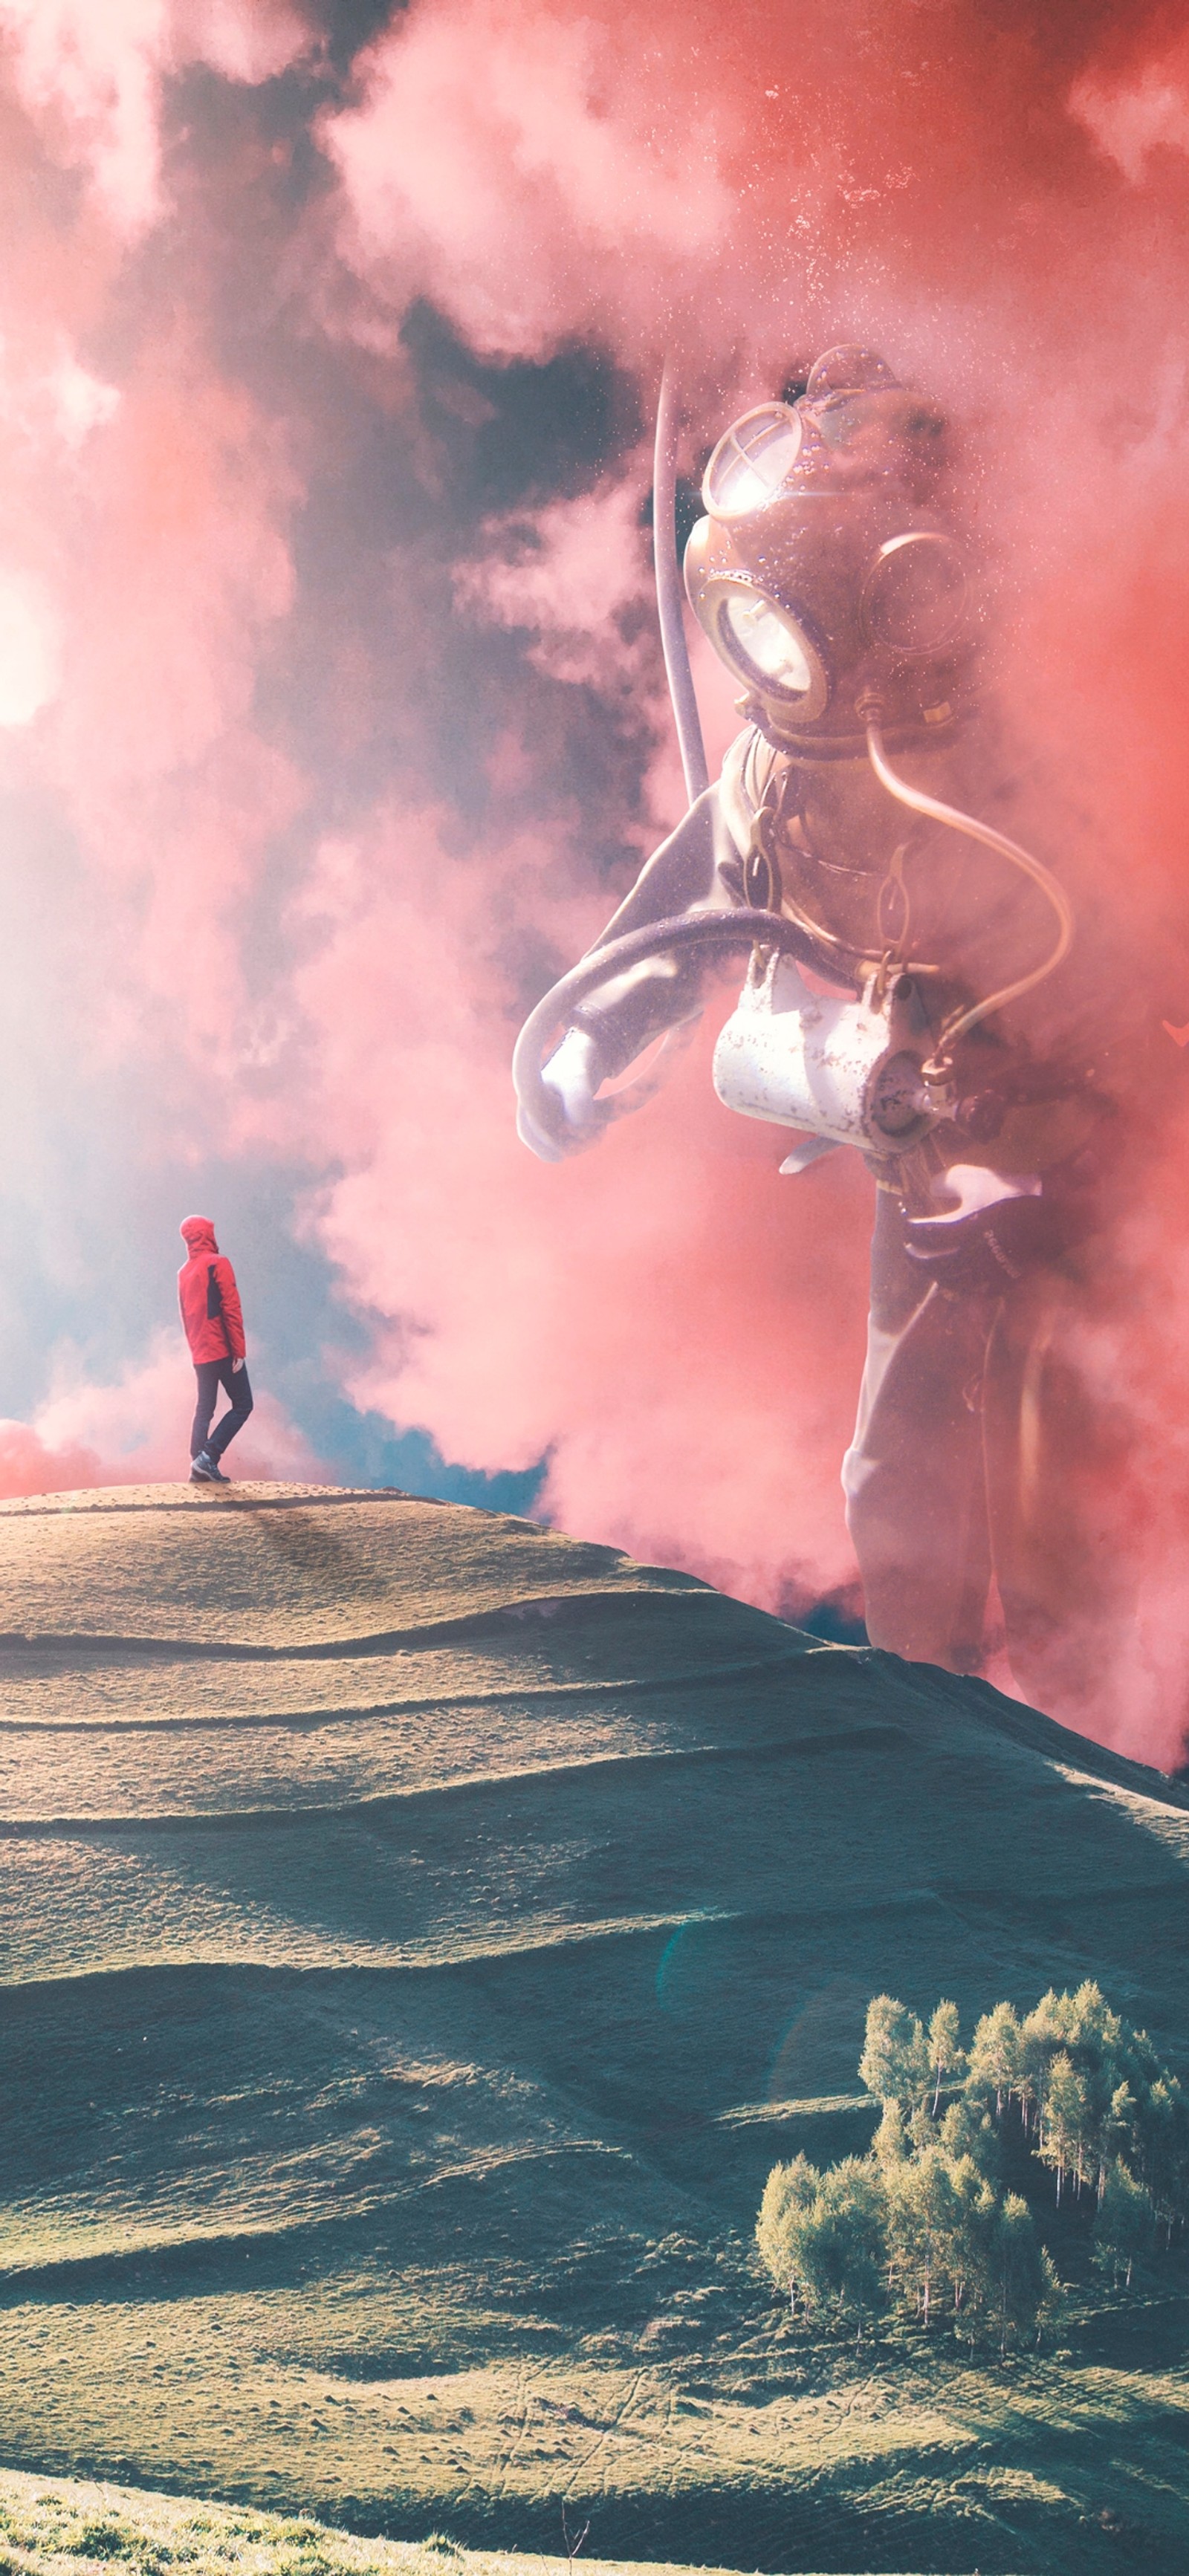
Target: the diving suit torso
pixel 898 999
pixel 891 908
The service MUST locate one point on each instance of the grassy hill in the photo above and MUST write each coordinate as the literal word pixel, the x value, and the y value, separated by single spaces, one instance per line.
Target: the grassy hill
pixel 422 1932
pixel 49 2530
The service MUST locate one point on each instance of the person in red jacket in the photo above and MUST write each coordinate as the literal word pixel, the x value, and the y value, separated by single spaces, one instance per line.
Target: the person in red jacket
pixel 214 1326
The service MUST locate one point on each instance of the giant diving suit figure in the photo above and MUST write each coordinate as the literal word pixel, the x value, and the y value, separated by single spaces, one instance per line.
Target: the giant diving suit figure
pixel 897 1000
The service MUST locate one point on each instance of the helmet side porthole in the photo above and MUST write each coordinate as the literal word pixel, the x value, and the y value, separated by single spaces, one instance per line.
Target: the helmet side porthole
pixel 914 597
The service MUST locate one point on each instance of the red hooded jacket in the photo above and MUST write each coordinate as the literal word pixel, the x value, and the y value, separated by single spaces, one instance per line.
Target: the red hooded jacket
pixel 208 1296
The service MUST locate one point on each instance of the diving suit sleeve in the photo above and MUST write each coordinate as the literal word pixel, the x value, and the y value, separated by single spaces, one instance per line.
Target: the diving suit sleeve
pixel 616 1020
pixel 614 1023
pixel 662 992
pixel 625 1013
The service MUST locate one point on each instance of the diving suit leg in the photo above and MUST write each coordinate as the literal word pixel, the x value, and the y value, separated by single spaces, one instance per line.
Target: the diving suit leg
pixel 913 1476
pixel 1060 1503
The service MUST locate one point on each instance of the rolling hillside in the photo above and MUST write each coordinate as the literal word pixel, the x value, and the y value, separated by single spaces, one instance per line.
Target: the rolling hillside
pixel 421 1933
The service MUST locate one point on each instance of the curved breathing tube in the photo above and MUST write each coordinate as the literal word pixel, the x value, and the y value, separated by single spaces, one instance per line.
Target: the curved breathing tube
pixel 668 593
pixel 932 806
pixel 725 930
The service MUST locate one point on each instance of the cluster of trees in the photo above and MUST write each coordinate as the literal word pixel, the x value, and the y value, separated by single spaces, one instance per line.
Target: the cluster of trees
pixel 925 2220
pixel 1093 2101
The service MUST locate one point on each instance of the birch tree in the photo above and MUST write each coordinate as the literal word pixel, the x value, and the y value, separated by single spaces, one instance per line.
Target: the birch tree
pixel 790 2190
pixel 994 2063
pixel 946 2055
pixel 895 2060
pixel 1125 2227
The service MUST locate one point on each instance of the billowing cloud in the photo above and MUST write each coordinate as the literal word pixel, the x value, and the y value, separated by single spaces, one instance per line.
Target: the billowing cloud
pixel 182 569
pixel 92 79
pixel 612 1312
pixel 517 198
pixel 919 180
pixel 331 709
pixel 136 1432
pixel 1137 106
pixel 575 576
pixel 30 648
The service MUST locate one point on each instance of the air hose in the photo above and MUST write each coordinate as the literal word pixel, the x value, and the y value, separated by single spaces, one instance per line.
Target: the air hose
pixel 669 592
pixel 938 1067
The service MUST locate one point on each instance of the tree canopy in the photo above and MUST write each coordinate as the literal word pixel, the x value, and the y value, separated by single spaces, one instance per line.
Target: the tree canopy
pixel 925 2222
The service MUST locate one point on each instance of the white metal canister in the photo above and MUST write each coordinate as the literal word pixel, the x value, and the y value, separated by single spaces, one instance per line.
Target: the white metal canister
pixel 834 1068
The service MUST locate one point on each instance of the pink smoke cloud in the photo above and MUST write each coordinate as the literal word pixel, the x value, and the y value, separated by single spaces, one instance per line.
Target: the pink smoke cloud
pixel 820 197
pixel 183 568
pixel 144 529
pixel 137 1432
pixel 1137 109
pixel 577 574
pixel 576 577
pixel 734 187
pixel 29 1466
pixel 617 1313
pixel 514 197
pixel 999 201
pixel 92 77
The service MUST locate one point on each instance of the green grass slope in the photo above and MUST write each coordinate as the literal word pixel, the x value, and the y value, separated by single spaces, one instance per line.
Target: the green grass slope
pixel 421 1934
pixel 57 2530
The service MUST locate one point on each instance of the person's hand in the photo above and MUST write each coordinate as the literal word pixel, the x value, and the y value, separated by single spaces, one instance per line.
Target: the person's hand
pixel 570 1079
pixel 236 1365
pixel 1001 1228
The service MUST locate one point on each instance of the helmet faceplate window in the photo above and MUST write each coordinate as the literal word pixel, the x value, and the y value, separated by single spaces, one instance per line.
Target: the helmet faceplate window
pixel 821 574
pixel 768 646
pixel 752 462
pixel 766 641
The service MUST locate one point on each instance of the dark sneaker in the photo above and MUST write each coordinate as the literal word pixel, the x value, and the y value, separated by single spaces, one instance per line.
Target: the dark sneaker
pixel 204 1471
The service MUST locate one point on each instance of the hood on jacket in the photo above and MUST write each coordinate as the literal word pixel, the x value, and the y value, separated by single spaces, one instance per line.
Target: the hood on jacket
pixel 198 1235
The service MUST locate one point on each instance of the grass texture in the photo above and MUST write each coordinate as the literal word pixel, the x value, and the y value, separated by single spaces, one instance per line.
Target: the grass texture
pixel 61 2529
pixel 421 1934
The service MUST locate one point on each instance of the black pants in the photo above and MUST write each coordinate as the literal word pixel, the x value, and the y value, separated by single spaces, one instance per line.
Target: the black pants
pixel 211 1375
